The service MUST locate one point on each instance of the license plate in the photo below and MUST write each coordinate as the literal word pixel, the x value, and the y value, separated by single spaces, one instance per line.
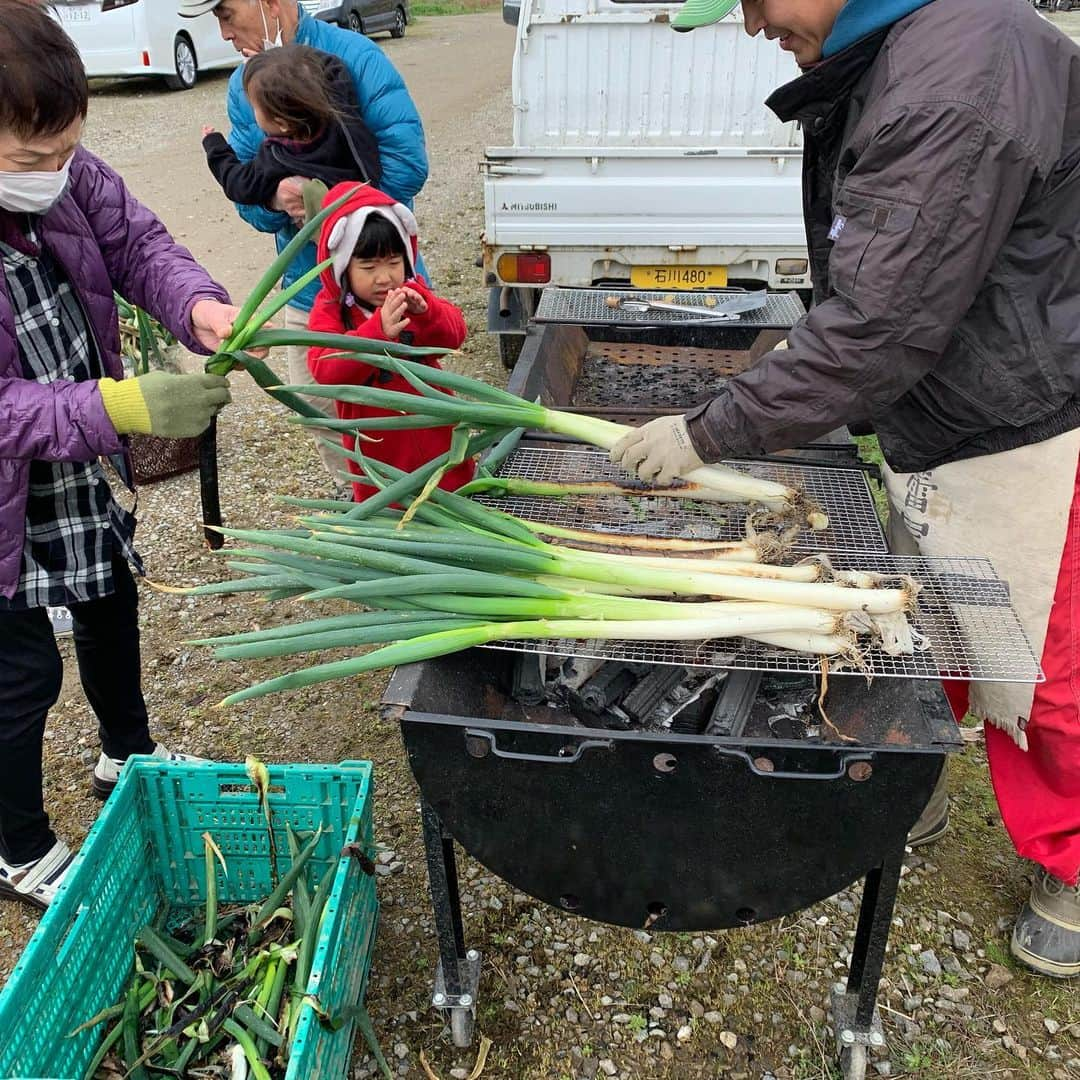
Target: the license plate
pixel 678 277
pixel 74 14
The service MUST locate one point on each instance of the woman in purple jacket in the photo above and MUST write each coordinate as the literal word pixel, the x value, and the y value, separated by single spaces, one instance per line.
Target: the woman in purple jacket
pixel 70 233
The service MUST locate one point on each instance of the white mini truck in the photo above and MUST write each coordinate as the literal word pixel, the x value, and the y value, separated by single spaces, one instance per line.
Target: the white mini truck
pixel 641 158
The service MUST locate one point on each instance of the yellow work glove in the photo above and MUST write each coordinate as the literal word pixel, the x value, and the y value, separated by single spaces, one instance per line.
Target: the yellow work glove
pixel 161 403
pixel 658 452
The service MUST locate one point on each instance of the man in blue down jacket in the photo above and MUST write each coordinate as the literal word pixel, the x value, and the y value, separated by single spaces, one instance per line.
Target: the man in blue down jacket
pixel 941 192
pixel 71 233
pixel 386 107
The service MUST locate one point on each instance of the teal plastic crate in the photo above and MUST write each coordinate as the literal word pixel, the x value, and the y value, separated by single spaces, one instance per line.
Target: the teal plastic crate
pixel 146 851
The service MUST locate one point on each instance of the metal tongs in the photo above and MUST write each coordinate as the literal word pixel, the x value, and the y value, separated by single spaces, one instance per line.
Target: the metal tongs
pixel 728 307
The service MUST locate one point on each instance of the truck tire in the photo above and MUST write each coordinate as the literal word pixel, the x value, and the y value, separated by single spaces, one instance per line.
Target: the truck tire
pixel 510 349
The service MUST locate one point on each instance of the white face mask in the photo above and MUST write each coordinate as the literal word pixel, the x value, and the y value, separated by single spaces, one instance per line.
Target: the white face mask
pixel 267 43
pixel 33 192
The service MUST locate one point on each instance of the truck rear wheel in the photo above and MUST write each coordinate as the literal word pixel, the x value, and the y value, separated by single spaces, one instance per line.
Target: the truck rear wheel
pixel 510 349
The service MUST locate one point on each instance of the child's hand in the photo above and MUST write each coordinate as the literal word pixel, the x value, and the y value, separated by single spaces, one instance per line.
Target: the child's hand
pixel 208 130
pixel 415 303
pixel 394 313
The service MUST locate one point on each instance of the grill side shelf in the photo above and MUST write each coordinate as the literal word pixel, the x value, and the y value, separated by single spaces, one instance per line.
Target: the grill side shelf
pixel 591 307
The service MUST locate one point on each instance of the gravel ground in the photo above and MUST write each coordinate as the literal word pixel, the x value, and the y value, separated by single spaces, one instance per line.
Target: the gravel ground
pixel 559 997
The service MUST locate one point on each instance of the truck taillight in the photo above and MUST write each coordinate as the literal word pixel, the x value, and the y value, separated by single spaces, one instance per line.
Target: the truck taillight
pixel 525 267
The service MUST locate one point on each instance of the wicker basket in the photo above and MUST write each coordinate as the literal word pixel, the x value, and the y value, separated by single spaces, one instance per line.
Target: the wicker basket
pixel 154 458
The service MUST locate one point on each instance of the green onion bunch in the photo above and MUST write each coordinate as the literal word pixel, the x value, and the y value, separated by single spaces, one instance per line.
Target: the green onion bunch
pixel 447 574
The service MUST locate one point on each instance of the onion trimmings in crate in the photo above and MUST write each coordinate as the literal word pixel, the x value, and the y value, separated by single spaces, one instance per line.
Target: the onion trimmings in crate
pixel 221 992
pixel 448 574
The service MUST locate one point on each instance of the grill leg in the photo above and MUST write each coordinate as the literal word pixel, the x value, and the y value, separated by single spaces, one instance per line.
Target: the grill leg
pixel 458 974
pixel 858 1026
pixel 875 919
pixel 445 899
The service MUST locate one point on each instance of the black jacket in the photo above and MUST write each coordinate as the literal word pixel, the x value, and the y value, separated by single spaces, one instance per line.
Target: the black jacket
pixel 345 150
pixel 941 184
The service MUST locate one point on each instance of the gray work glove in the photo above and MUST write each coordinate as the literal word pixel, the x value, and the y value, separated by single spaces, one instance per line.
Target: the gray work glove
pixel 658 452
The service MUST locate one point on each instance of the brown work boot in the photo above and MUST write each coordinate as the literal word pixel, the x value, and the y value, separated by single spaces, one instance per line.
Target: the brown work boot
pixel 1046 937
pixel 933 822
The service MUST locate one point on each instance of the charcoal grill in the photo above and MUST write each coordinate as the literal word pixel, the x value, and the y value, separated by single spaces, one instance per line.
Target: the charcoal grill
pixel 747 804
pixel 672 831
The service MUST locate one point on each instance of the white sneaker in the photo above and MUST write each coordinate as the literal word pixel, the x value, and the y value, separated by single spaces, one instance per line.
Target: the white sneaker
pixel 36 882
pixel 61 620
pixel 107 770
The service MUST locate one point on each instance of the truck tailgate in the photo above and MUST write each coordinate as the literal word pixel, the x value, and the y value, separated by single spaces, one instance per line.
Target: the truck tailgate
pixel 634 197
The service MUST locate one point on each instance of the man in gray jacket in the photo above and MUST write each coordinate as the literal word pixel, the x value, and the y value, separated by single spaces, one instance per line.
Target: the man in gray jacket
pixel 942 203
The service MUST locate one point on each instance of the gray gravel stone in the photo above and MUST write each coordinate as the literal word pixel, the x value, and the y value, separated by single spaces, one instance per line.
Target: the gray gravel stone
pixel 929 962
pixel 952 965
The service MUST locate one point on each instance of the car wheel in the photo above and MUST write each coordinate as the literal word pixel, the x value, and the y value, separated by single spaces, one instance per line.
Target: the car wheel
pixel 185 64
pixel 355 22
pixel 398 29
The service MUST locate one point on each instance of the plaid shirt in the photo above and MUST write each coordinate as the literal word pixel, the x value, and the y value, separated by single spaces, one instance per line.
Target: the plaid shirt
pixel 74 526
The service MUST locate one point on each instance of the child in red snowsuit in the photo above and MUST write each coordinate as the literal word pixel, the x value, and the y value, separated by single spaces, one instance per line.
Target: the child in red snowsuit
pixel 372 291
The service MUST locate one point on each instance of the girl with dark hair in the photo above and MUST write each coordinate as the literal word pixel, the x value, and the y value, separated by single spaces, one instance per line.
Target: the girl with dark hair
pixel 70 234
pixel 372 290
pixel 305 102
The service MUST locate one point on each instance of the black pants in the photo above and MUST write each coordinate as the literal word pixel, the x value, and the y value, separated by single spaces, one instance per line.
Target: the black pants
pixel 106 634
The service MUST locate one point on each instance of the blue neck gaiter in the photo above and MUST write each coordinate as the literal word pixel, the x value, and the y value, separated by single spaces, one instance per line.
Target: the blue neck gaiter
pixel 858 18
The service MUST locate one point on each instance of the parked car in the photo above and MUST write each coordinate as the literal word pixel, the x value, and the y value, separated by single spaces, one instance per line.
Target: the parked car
pixel 144 37
pixel 363 16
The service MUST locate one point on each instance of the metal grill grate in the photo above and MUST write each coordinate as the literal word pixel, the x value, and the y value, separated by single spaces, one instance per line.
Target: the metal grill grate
pixel 964 611
pixel 589 306
pixel 654 376
pixel 843 493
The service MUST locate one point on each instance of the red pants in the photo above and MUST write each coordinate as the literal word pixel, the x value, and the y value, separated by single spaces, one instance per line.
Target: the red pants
pixel 1038 792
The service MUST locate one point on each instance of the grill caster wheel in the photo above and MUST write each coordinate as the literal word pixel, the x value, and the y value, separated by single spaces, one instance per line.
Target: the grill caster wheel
pixel 853 1061
pixel 461 1027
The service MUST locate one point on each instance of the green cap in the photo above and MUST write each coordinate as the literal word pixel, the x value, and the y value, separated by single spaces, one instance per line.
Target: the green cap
pixel 701 13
